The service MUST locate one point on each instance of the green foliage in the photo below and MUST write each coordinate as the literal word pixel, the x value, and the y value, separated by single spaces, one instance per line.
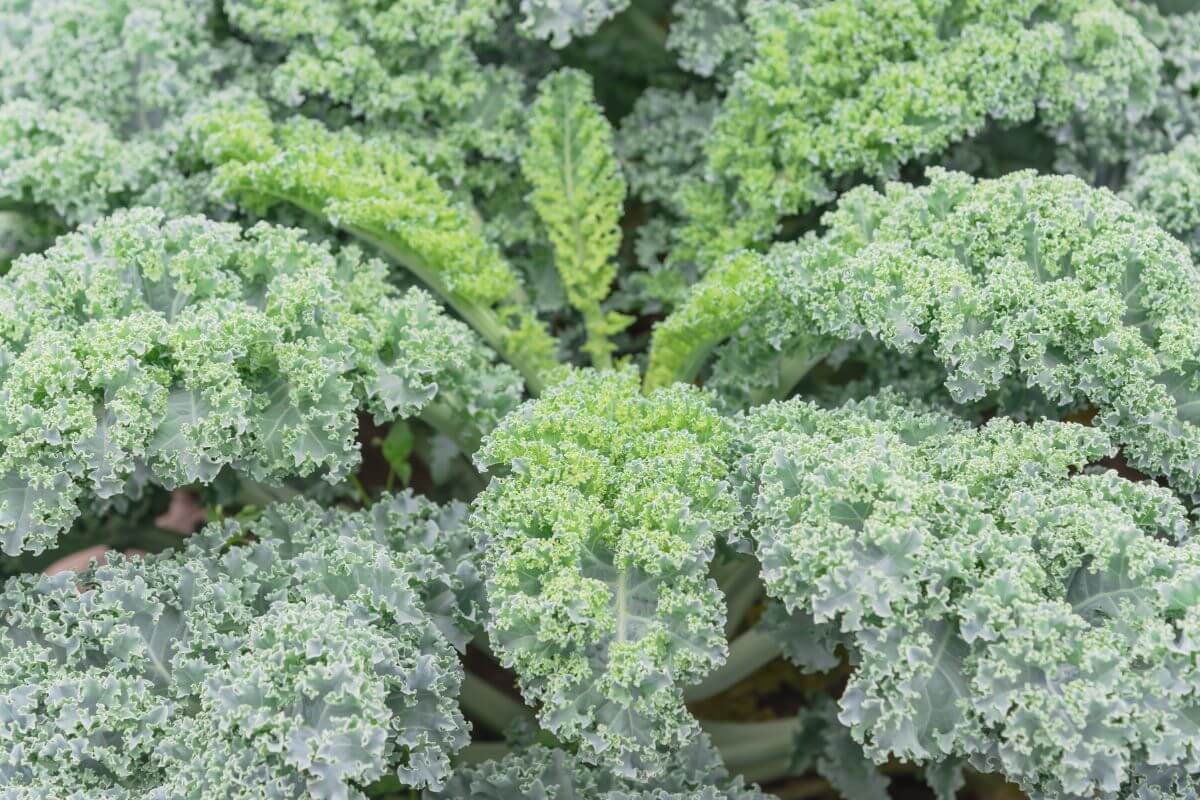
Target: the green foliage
pixel 578 192
pixel 145 349
pixel 372 189
pixel 696 774
pixel 560 21
pixel 96 56
pixel 660 143
pixel 597 542
pixel 1105 154
pixel 70 162
pixel 850 87
pixel 710 36
pixel 715 309
pixel 1167 187
pixel 1036 282
pixel 302 654
pixel 21 232
pixel 961 232
pixel 1025 592
pixel 81 150
pixel 410 61
pixel 397 448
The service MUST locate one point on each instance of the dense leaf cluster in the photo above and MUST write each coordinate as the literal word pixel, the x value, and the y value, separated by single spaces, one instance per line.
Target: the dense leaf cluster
pixel 301 654
pixel 548 373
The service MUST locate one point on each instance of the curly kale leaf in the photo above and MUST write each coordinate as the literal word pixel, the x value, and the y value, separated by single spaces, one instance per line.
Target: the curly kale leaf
pixel 855 87
pixel 597 539
pixel 295 655
pixel 1167 187
pixel 660 146
pixel 1001 600
pixel 579 194
pixel 711 37
pixel 406 62
pixel 560 21
pixel 92 95
pixel 1039 282
pixel 135 66
pixel 69 162
pixel 660 143
pixel 695 773
pixel 1105 155
pixel 373 189
pixel 145 348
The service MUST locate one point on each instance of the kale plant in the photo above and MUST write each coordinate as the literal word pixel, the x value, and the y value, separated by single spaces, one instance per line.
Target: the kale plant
pixel 601 399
